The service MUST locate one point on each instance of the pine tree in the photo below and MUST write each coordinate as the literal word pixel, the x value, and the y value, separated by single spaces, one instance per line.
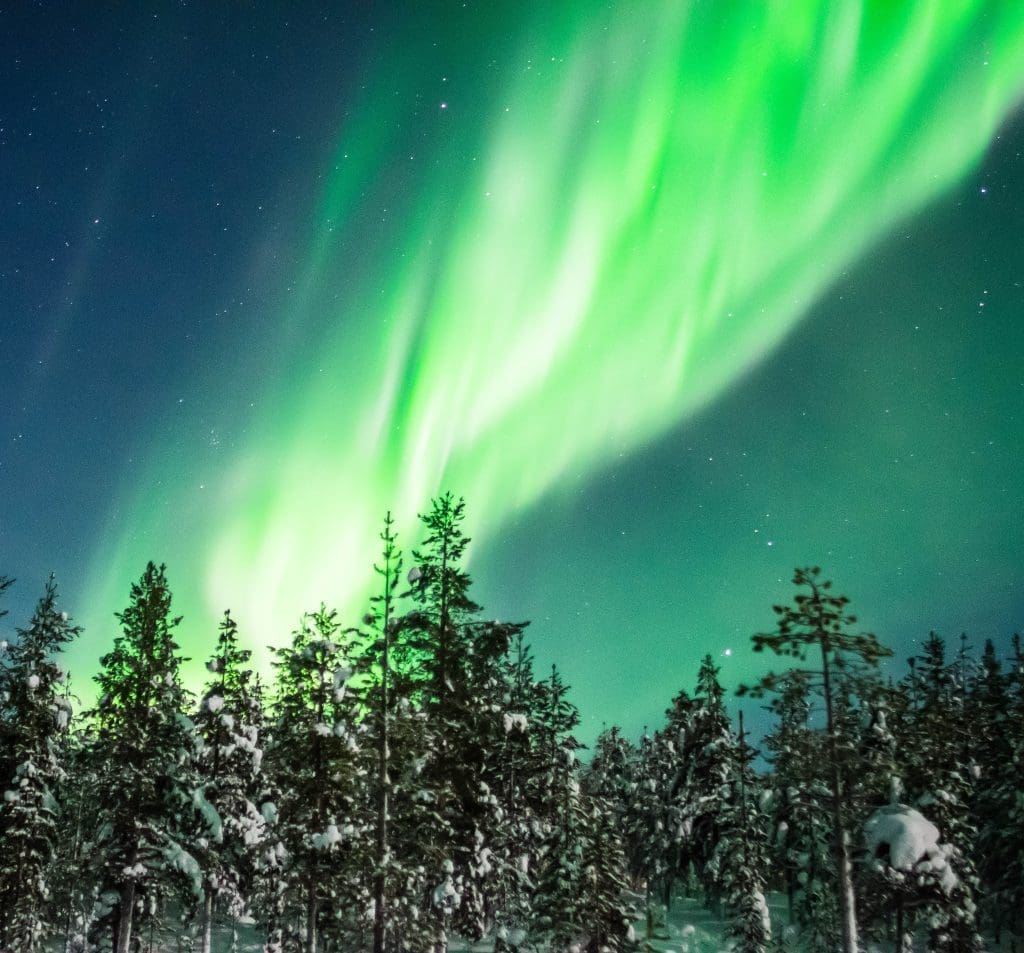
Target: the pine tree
pixel 143 751
pixel 229 765
pixel 819 621
pixel 35 715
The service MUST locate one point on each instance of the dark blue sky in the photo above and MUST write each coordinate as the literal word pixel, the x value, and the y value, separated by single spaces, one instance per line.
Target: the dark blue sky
pixel 159 167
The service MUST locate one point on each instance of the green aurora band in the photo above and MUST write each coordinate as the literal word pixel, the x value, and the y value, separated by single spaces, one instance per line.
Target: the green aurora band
pixel 655 202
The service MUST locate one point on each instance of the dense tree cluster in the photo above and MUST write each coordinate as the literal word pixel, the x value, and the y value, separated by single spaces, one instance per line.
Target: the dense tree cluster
pixel 412 778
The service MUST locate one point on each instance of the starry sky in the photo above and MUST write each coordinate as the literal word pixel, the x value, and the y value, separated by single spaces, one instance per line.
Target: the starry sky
pixel 678 295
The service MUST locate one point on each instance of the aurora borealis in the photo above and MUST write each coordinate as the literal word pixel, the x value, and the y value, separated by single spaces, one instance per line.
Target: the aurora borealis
pixel 664 295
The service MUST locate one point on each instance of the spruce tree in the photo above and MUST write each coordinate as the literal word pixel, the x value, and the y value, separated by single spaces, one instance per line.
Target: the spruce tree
pixel 521 789
pixel 582 881
pixel 740 857
pixel 6 741
pixel 939 782
pixel 35 714
pixel 394 749
pixel 73 879
pixel 649 821
pixel 705 759
pixel 384 620
pixel 461 691
pixel 801 841
pixel 230 827
pixel 314 761
pixel 1008 886
pixel 991 720
pixel 143 750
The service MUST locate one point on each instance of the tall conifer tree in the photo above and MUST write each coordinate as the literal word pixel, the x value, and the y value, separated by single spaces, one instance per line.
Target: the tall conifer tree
pixel 35 714
pixel 818 622
pixel 143 753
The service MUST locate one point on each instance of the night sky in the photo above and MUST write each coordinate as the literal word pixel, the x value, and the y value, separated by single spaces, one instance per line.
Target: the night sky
pixel 678 295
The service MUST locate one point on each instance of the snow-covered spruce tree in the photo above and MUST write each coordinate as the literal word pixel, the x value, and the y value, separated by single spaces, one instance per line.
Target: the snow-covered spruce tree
pixel 460 689
pixel 705 758
pixel 818 621
pixel 269 894
pixel 35 715
pixel 939 782
pixel 580 901
pixel 394 745
pixel 999 856
pixel 72 879
pixel 739 862
pixel 607 913
pixel 378 700
pixel 678 850
pixel 1009 886
pixel 313 760
pixel 611 774
pixel 230 827
pixel 142 761
pixel 909 867
pixel 642 779
pixel 939 775
pixel 6 752
pixel 801 841
pixel 522 788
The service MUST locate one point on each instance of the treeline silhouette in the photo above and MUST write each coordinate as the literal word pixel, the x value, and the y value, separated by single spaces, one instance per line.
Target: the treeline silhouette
pixel 412 778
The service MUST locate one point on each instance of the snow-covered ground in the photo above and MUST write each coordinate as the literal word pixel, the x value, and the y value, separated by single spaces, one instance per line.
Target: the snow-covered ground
pixel 689 928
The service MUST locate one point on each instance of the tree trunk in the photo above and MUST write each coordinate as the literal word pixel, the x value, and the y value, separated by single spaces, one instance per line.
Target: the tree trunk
pixel 124 918
pixel 382 853
pixel 207 919
pixel 383 778
pixel 311 919
pixel 844 869
pixel 899 924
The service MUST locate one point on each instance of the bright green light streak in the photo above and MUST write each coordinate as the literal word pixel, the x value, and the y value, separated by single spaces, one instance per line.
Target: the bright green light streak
pixel 654 210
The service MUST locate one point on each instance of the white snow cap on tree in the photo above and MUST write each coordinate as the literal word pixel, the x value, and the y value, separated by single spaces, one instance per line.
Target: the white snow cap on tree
pixel 913 843
pixel 512 720
pixel 908 835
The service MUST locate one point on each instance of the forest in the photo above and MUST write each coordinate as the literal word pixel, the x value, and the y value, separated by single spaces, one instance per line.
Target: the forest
pixel 410 782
